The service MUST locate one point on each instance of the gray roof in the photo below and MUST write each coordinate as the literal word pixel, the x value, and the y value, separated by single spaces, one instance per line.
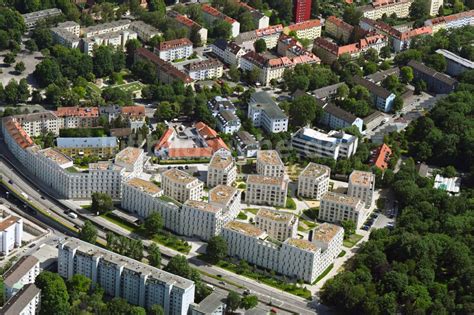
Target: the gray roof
pixel 339 113
pixel 263 99
pixel 19 269
pixel 92 142
pixel 210 303
pixel 19 301
pixel 372 87
pixel 381 75
pixel 246 138
pixel 372 117
pixel 327 90
pixel 418 66
pixel 227 116
pixel 457 59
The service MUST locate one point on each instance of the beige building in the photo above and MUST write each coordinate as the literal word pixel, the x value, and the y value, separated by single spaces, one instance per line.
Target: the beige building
pixel 310 29
pixel 263 190
pixel 336 207
pixel 278 224
pixel 181 186
pixel 228 198
pixel 434 6
pixel 270 164
pixel 329 238
pixel 313 181
pixel 201 219
pixel 144 31
pixel 377 9
pixel 362 186
pixel 222 169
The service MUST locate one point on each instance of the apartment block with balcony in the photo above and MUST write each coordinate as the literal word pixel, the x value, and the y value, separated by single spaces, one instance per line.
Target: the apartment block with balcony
pixel 335 208
pixel 222 169
pixel 270 164
pixel 277 224
pixel 362 186
pixel 313 182
pixel 264 190
pixel 181 186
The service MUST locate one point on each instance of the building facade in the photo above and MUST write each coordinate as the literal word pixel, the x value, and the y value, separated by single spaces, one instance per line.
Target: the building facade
pixel 201 219
pixel 181 186
pixel 277 224
pixel 362 186
pixel 270 164
pixel 206 69
pixel 263 190
pixel 246 144
pixel 23 272
pixel 301 10
pixel 174 49
pixel 313 182
pixel 335 207
pixel 11 233
pixel 437 82
pixel 310 29
pixel 211 14
pixel 25 302
pixel 222 169
pixel 265 113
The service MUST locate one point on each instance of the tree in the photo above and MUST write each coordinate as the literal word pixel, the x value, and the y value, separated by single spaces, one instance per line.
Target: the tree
pixel 233 301
pixel 391 83
pixel 101 203
pixel 342 91
pixel 252 76
pixel 20 67
pixel 10 92
pixel 54 295
pixel 406 74
pixel 419 9
pixel 352 15
pixel 154 255
pixel 88 232
pixel 9 59
pixel 103 61
pixel 349 227
pixel 23 91
pixel 156 309
pixel 221 29
pixel 260 45
pixel 79 285
pixel 118 306
pixel 117 96
pixel 249 301
pixel 179 265
pixel 304 110
pixel 158 6
pixel 153 223
pixel 437 62
pixel 234 73
pixel 165 111
pixel 397 103
pixel 216 248
pixel 385 52
pixel 47 72
pixel 42 36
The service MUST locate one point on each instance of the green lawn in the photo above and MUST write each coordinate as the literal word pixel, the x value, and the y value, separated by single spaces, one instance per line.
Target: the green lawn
pixel 325 272
pixel 242 216
pixel 341 254
pixel 252 210
pixel 93 88
pixel 352 240
pixel 130 87
pixel 312 213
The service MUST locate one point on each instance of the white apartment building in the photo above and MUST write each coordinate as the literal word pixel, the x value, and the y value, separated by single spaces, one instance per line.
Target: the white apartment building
pixel 228 122
pixel 23 272
pixel 132 160
pixel 265 113
pixel 336 207
pixel 310 29
pixel 105 28
pixel 120 276
pixel 205 69
pixel 301 259
pixel 185 22
pixel 180 48
pixel 33 17
pixel 36 124
pixel 229 52
pixel 312 143
pixel 228 198
pixel 329 238
pixel 277 224
pixel 270 164
pixel 181 186
pixel 211 14
pixel 144 31
pixel 435 5
pixel 246 144
pixel 362 186
pixel 377 9
pixel 313 182
pixel 222 169
pixel 77 117
pixel 25 302
pixel 67 34
pixel 115 39
pixel 269 34
pixel 263 190
pixel 11 233
pixel 201 219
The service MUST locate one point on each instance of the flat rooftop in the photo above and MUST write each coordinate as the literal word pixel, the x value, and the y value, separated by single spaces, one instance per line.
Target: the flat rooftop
pixel 362 178
pixel 266 180
pixel 211 303
pixel 9 221
pixel 179 176
pixel 315 170
pixel 341 199
pixel 221 159
pixel 222 194
pixel 326 232
pixel 128 155
pixel 269 157
pixel 128 263
pixel 244 228
pixel 19 269
pixel 274 215
pixel 302 244
pixel 55 156
pixel 203 206
pixel 145 186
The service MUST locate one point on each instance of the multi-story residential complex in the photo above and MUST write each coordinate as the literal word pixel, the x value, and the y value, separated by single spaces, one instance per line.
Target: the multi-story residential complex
pixel 269 34
pixel 382 98
pixel 11 233
pixel 271 67
pixel 451 21
pixel 103 147
pixel 379 8
pixel 264 190
pixel 277 224
pixel 264 112
pixel 338 29
pixel 34 17
pixel 437 82
pixel 181 186
pixel 313 182
pixel 270 164
pixel 134 116
pixel 104 28
pixel 289 47
pixel 335 207
pixel 67 34
pixel 228 122
pixel 329 238
pixel 123 277
pixel 337 118
pixel 456 64
pixel 260 19
pixel 115 34
pixel 301 10
pixel 77 117
pixel 246 144
pixel 144 31
pixel 211 14
pixel 131 159
pixel 362 186
pixel 310 29
pixel 329 51
pixel 23 272
pixel 174 49
pixel 201 219
pixel 25 302
pixel 228 198
pixel 219 103
pixel 229 52
pixel 435 5
pixel 185 22
pixel 222 169
pixel 167 73
pixel 35 124
pixel 205 69
pixel 312 143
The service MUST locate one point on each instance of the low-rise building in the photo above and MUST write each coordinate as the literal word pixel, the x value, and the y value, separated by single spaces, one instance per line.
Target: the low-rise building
pixel 313 182
pixel 264 190
pixel 116 39
pixel 11 233
pixel 436 82
pixel 451 21
pixel 23 272
pixel 190 25
pixel 264 112
pixel 144 31
pixel 181 186
pixel 222 169
pixel 171 50
pixel 312 143
pixel 337 118
pixel 213 304
pixel 201 219
pixel 205 69
pixel 34 17
pixel 277 224
pixel 270 164
pixel 338 29
pixel 102 147
pixel 67 34
pixel 228 198
pixel 379 8
pixel 382 98
pixel 123 277
pixel 229 52
pixel 26 302
pixel 211 14
pixel 134 116
pixel 246 144
pixel 131 159
pixel 219 103
pixel 310 29
pixel 335 207
pixel 381 157
pixel 362 186
pixel 77 117
pixel 269 34
pixel 228 122
pixel 456 64
pixel 260 19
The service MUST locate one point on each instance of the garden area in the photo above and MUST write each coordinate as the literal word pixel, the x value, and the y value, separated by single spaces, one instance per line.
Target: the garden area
pixel 351 240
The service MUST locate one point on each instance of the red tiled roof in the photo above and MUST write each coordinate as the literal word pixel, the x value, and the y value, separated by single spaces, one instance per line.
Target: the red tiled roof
pixel 77 112
pixel 304 25
pixel 164 139
pixel 134 111
pixel 217 144
pixel 18 133
pixel 205 131
pixel 339 23
pixel 382 156
pixel 216 13
pixel 173 44
pixel 189 152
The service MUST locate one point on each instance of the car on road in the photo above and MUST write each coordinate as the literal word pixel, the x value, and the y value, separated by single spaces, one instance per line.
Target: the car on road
pixel 42 197
pixel 10 182
pixel 31 245
pixel 222 282
pixel 365 228
pixel 219 276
